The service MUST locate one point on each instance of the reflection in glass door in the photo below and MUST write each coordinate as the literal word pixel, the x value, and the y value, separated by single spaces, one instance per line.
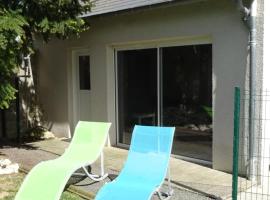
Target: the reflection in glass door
pixel 187 99
pixel 168 86
pixel 137 90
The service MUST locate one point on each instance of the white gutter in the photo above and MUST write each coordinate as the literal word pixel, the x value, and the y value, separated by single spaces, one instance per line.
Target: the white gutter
pixel 253 137
pixel 242 8
pixel 250 19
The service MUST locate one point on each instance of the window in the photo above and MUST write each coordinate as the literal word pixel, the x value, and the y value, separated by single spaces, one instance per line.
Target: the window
pixel 168 86
pixel 84 72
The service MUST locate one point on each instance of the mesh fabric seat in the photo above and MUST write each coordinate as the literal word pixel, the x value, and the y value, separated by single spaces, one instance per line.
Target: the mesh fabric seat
pixel 145 168
pixel 46 181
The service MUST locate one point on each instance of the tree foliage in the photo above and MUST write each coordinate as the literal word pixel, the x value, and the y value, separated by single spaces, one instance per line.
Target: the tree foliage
pixel 21 21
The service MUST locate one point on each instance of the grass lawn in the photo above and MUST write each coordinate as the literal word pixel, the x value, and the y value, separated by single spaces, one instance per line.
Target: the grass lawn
pixel 9 185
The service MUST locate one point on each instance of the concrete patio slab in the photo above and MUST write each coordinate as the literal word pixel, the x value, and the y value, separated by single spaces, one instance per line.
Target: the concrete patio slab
pixel 199 179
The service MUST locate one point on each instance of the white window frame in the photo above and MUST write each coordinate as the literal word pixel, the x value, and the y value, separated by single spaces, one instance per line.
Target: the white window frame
pixel 73 105
pixel 158 44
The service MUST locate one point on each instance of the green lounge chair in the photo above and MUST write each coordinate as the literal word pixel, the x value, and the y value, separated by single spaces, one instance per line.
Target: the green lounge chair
pixel 47 180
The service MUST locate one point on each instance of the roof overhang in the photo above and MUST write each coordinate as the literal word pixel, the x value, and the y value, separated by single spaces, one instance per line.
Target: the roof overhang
pixel 103 7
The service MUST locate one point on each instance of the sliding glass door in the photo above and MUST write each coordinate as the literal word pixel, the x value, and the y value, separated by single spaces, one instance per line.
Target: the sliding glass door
pixel 168 86
pixel 187 99
pixel 137 90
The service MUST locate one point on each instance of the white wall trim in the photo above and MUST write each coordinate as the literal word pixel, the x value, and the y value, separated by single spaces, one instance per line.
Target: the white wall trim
pixel 163 42
pixel 111 94
pixel 112 62
pixel 72 85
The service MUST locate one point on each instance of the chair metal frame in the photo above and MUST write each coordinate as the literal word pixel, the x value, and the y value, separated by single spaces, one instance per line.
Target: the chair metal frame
pixel 170 191
pixel 95 177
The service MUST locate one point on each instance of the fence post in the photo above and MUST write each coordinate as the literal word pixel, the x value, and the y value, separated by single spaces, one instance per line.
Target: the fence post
pixel 18 114
pixel 236 142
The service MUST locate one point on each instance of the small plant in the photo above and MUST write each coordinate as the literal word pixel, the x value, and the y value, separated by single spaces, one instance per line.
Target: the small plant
pixel 208 110
pixel 34 133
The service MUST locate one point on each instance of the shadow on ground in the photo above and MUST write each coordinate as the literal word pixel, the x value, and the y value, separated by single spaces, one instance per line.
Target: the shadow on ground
pixel 12 144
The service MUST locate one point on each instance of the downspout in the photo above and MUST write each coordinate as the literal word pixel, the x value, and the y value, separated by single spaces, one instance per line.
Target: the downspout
pixel 244 10
pixel 253 138
pixel 250 20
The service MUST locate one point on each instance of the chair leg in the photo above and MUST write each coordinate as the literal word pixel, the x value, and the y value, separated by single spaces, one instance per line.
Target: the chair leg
pixel 95 177
pixel 102 175
pixel 170 190
pixel 102 164
pixel 169 193
pixel 164 196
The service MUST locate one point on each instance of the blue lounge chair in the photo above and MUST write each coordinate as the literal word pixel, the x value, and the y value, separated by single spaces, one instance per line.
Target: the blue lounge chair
pixel 146 166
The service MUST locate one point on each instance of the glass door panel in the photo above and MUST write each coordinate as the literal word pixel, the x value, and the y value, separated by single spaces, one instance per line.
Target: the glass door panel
pixel 187 98
pixel 137 90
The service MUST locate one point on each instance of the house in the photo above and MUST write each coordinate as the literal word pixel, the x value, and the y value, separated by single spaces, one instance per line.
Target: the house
pixel 155 62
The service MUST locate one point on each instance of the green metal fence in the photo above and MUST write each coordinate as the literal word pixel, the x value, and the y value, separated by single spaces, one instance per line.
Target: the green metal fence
pixel 236 142
pixel 251 151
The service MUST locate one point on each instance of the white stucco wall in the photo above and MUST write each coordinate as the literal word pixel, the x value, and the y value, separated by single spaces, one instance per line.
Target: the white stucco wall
pixel 266 46
pixel 215 21
pixel 266 92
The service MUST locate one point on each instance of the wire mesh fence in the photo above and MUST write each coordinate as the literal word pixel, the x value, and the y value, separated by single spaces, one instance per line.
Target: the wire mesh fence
pixel 251 146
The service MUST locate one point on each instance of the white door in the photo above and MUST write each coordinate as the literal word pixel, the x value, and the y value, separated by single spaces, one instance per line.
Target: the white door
pixel 82 106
